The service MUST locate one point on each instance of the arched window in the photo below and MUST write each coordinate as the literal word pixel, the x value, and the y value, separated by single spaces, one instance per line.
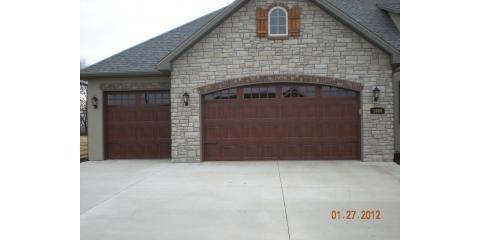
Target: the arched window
pixel 277 22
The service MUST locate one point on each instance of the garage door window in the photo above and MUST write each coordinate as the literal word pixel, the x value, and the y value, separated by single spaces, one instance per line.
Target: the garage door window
pixel 259 92
pixel 121 99
pixel 298 91
pixel 337 92
pixel 225 94
pixel 156 98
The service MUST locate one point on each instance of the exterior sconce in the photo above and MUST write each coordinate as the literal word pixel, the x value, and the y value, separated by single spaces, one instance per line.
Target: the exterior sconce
pixel 95 102
pixel 186 98
pixel 376 94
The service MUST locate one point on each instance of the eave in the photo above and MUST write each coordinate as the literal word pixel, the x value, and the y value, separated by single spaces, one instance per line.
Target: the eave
pixel 85 76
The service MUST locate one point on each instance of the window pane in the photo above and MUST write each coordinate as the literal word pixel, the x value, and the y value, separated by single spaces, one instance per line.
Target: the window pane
pixel 209 97
pixel 275 13
pixel 271 92
pixel 274 21
pixel 131 99
pixel 231 93
pixel 120 99
pixel 298 91
pixel 225 94
pixel 351 94
pixel 286 91
pixel 310 92
pixel 247 92
pixel 273 29
pixel 337 92
pixel 155 98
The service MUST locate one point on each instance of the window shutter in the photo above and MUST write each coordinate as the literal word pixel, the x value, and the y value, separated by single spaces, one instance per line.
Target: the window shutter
pixel 262 22
pixel 294 21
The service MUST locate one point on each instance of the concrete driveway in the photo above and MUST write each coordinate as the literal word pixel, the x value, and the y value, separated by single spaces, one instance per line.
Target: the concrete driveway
pixel 278 200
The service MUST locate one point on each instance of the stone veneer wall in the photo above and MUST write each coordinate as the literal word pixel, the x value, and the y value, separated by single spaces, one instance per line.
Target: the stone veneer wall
pixel 325 47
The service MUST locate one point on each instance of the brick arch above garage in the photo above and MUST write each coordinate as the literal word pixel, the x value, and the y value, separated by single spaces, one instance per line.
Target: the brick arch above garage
pixel 280 78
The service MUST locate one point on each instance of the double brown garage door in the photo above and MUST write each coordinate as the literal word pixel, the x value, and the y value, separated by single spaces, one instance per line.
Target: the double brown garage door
pixel 282 121
pixel 138 125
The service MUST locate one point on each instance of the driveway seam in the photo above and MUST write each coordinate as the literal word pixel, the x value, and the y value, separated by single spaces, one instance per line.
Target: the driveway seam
pixel 283 197
pixel 127 187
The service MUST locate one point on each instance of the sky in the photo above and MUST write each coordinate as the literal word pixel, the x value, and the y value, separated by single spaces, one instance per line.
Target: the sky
pixel 111 26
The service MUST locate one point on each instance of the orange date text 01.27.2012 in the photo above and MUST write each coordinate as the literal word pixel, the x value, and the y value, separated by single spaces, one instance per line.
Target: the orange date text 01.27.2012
pixel 355 215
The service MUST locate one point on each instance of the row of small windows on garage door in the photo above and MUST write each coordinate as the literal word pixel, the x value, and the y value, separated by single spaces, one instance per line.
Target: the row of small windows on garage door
pixel 287 92
pixel 294 91
pixel 160 98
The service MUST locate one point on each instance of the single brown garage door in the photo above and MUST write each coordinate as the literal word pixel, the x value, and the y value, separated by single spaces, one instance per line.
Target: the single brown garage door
pixel 138 125
pixel 282 121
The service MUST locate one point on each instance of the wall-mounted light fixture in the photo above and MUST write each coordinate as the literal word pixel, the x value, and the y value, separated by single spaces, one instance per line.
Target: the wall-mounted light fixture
pixel 95 102
pixel 186 98
pixel 376 94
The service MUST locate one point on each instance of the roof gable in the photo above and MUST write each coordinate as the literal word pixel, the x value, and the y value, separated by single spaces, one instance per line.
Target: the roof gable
pixel 351 13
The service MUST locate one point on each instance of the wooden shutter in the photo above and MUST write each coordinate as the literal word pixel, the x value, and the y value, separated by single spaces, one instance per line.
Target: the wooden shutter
pixel 294 21
pixel 262 22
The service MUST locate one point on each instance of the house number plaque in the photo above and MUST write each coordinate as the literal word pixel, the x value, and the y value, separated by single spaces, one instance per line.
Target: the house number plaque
pixel 377 110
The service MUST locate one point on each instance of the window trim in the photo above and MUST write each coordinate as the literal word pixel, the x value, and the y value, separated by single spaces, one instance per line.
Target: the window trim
pixel 286 22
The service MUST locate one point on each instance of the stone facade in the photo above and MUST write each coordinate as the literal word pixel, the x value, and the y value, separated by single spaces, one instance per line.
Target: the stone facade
pixel 325 48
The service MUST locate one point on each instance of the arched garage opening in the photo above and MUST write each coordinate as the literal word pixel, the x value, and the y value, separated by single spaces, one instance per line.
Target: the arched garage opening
pixel 281 121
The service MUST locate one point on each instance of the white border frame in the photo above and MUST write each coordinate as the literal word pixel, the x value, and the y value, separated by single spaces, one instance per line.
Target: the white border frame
pixel 286 22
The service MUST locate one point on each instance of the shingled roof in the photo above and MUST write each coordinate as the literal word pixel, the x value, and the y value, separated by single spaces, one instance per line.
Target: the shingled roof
pixel 143 58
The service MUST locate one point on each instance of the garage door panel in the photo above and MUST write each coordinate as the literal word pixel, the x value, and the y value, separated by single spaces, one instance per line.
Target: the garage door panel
pixel 292 150
pixel 211 151
pixel 269 151
pixel 122 116
pixel 230 151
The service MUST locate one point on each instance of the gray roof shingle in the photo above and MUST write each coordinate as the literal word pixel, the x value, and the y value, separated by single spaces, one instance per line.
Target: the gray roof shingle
pixel 143 57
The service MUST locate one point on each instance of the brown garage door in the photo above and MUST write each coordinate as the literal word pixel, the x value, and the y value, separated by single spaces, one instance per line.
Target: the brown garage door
pixel 282 121
pixel 138 125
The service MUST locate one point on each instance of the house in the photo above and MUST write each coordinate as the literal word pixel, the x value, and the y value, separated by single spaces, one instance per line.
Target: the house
pixel 256 80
